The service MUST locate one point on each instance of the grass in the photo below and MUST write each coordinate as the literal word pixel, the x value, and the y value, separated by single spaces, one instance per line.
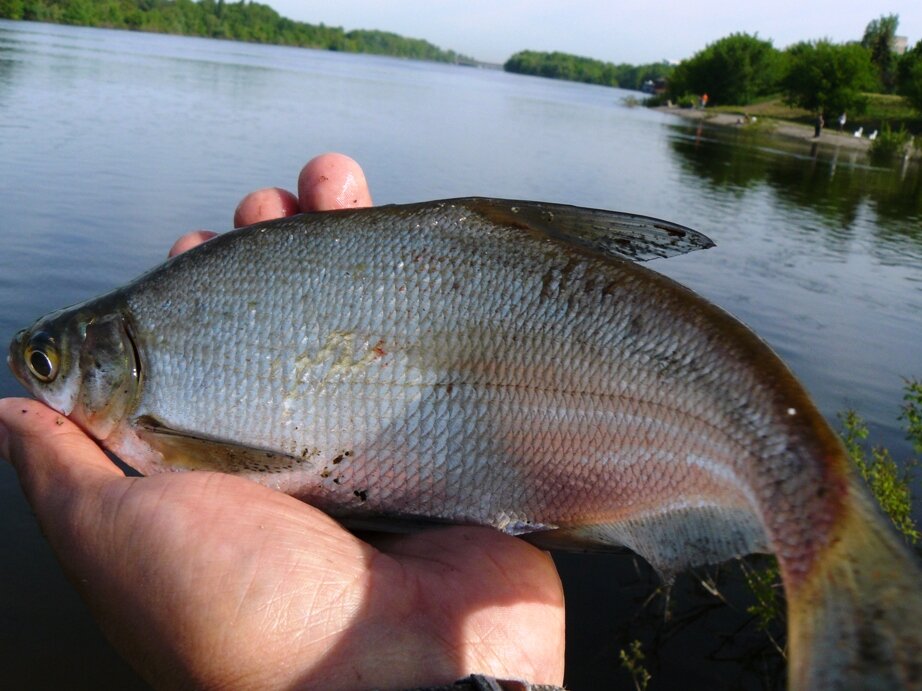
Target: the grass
pixel 890 484
pixel 632 660
pixel 772 107
pixel 882 109
pixel 892 109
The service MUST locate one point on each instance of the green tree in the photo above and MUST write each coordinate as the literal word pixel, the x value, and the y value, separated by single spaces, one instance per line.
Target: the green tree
pixel 82 12
pixel 634 76
pixel 828 78
pixel 910 71
pixel 878 39
pixel 737 69
pixel 242 20
pixel 579 69
pixel 12 9
pixel 563 66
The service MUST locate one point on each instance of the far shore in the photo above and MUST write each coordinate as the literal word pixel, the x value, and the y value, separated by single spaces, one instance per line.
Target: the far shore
pixel 782 128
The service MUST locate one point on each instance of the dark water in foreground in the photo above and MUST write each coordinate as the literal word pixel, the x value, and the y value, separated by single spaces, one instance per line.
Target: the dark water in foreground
pixel 112 144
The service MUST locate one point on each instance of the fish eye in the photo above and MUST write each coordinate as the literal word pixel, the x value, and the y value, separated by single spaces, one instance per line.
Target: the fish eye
pixel 42 358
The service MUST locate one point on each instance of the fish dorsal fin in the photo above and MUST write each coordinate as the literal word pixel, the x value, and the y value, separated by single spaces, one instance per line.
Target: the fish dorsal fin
pixel 613 233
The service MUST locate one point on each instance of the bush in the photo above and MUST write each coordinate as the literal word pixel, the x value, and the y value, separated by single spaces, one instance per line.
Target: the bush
pixel 735 70
pixel 656 100
pixel 829 78
pixel 890 144
pixel 890 484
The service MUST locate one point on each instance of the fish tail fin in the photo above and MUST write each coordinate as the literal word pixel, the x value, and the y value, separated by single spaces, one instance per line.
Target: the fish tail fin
pixel 855 622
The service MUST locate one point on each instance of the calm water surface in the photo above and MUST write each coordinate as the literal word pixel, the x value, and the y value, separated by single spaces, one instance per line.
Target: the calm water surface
pixel 112 144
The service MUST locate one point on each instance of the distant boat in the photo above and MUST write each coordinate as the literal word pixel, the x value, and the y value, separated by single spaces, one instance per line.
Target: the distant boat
pixel 859 131
pixel 873 135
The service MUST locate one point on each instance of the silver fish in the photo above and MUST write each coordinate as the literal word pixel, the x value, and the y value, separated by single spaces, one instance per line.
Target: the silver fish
pixel 500 363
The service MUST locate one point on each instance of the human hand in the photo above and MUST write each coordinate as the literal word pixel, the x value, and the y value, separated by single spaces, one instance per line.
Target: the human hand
pixel 210 580
pixel 328 182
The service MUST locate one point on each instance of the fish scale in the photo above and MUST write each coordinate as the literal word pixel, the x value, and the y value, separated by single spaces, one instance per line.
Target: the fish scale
pixel 350 309
pixel 493 362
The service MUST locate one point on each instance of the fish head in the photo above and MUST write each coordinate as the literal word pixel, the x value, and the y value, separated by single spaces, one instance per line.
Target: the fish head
pixel 82 364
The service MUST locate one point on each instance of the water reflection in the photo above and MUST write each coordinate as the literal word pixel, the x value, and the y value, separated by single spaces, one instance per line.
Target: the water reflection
pixel 837 184
pixel 9 61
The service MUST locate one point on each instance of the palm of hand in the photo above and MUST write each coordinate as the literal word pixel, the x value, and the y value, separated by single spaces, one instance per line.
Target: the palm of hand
pixel 212 580
pixel 208 580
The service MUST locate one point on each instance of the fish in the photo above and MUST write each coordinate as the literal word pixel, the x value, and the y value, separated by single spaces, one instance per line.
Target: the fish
pixel 503 363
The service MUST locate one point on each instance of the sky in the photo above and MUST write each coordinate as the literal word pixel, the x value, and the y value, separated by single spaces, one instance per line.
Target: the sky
pixel 635 32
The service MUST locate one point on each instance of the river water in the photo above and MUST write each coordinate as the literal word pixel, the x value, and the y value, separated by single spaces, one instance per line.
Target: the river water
pixel 114 143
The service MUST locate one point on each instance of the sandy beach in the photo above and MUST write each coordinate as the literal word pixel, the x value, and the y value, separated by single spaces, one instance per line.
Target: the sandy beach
pixel 781 128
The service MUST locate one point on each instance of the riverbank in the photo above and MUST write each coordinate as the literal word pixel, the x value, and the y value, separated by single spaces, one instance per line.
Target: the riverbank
pixel 780 128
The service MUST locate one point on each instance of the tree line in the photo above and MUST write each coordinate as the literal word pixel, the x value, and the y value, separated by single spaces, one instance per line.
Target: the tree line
pixel 579 69
pixel 821 76
pixel 241 21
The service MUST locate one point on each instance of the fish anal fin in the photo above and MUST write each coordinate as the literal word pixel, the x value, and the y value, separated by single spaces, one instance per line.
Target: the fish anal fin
pixel 611 233
pixel 670 539
pixel 193 451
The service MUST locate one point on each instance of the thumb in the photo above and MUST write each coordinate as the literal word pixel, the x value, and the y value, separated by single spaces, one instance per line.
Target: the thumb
pixel 54 459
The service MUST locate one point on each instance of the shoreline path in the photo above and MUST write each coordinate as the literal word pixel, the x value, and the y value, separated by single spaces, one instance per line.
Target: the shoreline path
pixel 781 128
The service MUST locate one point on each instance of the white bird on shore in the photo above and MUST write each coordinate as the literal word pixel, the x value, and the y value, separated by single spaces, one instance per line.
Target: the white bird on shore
pixel 859 131
pixel 873 135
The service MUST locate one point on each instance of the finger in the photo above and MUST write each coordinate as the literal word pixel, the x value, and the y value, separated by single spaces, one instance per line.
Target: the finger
pixel 332 181
pixel 262 205
pixel 329 181
pixel 190 240
pixel 265 205
pixel 53 458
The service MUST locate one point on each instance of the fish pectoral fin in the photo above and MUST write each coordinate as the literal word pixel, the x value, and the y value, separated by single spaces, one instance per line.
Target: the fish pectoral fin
pixel 196 451
pixel 612 233
pixel 571 540
pixel 671 540
pixel 371 523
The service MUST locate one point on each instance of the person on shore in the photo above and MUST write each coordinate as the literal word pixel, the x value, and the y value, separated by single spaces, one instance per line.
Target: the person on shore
pixel 818 126
pixel 842 120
